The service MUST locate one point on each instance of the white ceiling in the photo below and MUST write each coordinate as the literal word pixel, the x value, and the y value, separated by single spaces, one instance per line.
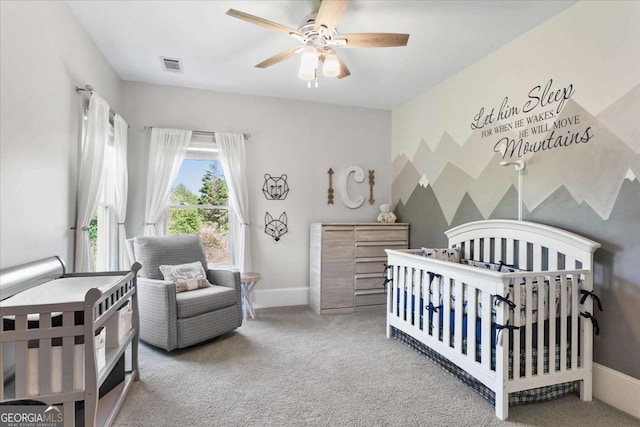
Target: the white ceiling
pixel 219 52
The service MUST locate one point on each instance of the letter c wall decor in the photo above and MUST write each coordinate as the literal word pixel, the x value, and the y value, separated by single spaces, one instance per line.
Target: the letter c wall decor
pixel 358 176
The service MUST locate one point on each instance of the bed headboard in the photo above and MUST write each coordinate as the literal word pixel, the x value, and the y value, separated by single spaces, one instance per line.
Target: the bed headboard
pixel 525 245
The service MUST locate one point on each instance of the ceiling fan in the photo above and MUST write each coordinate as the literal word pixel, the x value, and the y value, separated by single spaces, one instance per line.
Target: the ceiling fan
pixel 318 37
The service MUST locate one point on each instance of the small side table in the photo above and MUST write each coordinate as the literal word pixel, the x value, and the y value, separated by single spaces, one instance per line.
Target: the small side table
pixel 248 281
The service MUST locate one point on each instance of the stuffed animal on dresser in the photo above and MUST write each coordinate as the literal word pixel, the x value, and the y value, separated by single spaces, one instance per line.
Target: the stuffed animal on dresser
pixel 386 216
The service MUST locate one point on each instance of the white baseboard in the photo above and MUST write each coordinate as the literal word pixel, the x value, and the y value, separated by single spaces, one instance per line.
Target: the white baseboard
pixel 616 389
pixel 283 297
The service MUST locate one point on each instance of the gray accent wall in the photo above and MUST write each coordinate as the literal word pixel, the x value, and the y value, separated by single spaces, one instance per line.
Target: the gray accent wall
pixel 616 266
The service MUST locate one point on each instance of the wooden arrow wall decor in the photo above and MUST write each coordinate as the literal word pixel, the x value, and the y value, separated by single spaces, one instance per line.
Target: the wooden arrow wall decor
pixel 330 192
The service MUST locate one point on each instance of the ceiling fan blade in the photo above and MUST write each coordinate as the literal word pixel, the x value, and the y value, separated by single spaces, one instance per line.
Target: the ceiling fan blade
pixel 279 57
pixel 265 23
pixel 344 70
pixel 329 14
pixel 373 40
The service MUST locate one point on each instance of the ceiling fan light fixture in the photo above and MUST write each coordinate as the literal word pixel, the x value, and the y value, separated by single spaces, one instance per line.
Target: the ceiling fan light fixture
pixel 306 74
pixel 309 58
pixel 331 66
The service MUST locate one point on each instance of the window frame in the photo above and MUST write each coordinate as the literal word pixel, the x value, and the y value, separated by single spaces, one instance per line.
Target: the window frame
pixel 202 148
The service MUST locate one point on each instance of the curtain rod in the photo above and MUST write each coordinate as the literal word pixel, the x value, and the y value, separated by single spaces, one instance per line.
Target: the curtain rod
pixel 205 132
pixel 89 88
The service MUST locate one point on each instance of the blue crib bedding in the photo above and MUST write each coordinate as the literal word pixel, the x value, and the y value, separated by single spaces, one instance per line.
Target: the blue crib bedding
pixel 496 330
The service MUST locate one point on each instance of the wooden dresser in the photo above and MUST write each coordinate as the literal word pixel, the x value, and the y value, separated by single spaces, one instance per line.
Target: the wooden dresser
pixel 347 264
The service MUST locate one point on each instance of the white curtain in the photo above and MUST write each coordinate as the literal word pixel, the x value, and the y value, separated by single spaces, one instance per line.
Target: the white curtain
pixel 168 148
pixel 121 190
pixel 90 178
pixel 231 153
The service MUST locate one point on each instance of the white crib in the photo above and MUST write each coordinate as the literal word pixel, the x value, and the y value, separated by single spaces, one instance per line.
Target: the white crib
pixel 444 306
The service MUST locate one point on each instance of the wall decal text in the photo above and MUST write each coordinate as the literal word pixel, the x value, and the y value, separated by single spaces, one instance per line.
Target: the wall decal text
pixel 538 122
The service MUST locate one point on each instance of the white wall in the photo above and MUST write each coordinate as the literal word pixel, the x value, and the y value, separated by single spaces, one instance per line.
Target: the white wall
pixel 44 54
pixel 300 139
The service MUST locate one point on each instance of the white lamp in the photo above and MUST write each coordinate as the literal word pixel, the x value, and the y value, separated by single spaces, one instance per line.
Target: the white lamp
pixel 331 67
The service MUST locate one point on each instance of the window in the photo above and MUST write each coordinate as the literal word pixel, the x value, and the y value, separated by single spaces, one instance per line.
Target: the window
pixel 199 201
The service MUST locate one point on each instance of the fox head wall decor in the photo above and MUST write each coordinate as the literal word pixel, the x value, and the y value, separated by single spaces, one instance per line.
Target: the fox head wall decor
pixel 275 227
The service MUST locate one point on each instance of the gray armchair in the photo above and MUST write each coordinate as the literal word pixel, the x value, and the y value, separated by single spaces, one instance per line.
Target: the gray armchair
pixel 171 320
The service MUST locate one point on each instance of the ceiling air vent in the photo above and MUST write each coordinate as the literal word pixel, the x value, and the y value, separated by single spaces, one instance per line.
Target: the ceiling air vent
pixel 171 64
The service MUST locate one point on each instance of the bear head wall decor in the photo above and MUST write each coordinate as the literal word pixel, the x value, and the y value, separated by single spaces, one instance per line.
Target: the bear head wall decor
pixel 275 227
pixel 275 187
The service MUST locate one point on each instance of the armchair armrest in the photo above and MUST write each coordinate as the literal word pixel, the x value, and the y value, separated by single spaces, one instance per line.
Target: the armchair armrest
pixel 228 278
pixel 158 316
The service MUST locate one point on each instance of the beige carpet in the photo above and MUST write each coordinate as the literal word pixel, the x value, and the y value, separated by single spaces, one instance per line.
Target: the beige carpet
pixel 291 367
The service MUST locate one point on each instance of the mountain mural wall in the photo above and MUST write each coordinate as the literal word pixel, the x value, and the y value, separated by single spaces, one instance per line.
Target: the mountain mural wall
pixel 565 99
pixel 592 172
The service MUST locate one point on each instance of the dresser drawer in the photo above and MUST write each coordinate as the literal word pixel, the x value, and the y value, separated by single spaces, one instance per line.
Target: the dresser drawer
pixel 370 298
pixel 370 282
pixel 376 249
pixel 381 233
pixel 370 265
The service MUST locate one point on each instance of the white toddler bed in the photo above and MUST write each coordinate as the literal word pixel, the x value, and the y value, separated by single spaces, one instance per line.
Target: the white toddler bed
pixel 530 275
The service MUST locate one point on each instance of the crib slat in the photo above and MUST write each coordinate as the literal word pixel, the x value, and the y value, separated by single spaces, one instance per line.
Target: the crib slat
pixel 563 323
pixel 45 369
pixel 509 256
pixel 68 343
pixel 402 291
pixel 476 250
pixel 69 414
pixel 471 322
pixel 21 366
pixel 497 250
pixel 541 314
pixel 569 263
pixel 394 290
pixel 415 297
pixel 522 255
pixel 552 260
pixel 552 325
pixel 435 300
pixel 486 338
pixel 425 301
pixel 529 322
pixel 419 309
pixel 537 257
pixel 409 300
pixel 446 310
pixel 515 318
pixel 574 321
pixel 2 362
pixel 486 255
pixel 459 316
